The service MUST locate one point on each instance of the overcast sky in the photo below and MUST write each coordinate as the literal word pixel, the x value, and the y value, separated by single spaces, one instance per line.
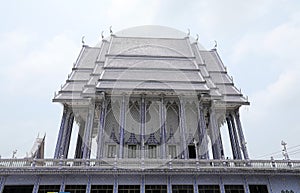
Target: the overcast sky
pixel 258 41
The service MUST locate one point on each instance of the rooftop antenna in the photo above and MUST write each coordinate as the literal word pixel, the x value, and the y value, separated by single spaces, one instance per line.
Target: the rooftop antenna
pixel 189 32
pixel 284 151
pixel 110 30
pixel 82 40
pixel 102 36
pixel 197 37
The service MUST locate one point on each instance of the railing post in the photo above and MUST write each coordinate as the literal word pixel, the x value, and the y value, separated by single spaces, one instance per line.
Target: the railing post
pixel 61 161
pixel 142 163
pixel 115 162
pixel 170 162
pixel 33 163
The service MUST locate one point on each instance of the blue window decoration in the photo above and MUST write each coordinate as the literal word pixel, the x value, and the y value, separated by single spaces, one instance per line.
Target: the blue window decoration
pixel 152 140
pixel 132 140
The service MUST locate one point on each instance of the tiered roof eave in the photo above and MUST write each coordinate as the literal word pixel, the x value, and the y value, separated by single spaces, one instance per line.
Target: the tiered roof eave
pixel 151 66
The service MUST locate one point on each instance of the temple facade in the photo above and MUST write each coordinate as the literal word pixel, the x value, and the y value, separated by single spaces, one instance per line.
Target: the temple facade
pixel 149 104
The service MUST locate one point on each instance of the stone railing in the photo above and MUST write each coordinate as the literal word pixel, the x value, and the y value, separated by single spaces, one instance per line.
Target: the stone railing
pixel 142 164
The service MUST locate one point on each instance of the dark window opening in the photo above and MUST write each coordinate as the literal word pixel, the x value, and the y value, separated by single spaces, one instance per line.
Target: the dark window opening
pixel 18 189
pixel 102 189
pixel 48 188
pixel 182 189
pixel 209 189
pixel 234 189
pixel 258 189
pixel 155 189
pixel 128 189
pixel 75 188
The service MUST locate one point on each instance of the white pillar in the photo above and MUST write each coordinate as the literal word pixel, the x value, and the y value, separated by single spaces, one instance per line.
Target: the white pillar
pixel 60 140
pixel 143 120
pixel 183 128
pixel 88 131
pixel 162 114
pixel 231 136
pixel 203 141
pixel 122 126
pixel 216 147
pixel 100 142
pixel 241 134
pixel 237 143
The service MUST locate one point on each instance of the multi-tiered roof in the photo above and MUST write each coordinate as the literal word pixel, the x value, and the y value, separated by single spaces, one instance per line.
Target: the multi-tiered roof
pixel 153 60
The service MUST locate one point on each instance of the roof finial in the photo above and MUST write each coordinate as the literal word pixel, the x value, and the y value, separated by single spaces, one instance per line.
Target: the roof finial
pixel 216 45
pixel 82 40
pixel 189 32
pixel 197 37
pixel 102 36
pixel 110 30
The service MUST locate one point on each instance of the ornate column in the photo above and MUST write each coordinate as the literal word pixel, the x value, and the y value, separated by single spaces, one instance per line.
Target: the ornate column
pixel 89 185
pixel 78 151
pixel 216 146
pixel 60 140
pixel 36 185
pixel 183 128
pixel 143 120
pixel 203 142
pixel 2 181
pixel 241 134
pixel 238 150
pixel 88 131
pixel 116 184
pixel 142 184
pixel 169 183
pixel 195 185
pixel 122 126
pixel 162 114
pixel 100 141
pixel 62 185
pixel 231 136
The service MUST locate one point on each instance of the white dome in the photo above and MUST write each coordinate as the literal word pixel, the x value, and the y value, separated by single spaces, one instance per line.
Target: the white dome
pixel 151 31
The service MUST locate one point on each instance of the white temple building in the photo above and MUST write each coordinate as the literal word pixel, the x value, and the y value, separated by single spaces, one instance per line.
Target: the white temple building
pixel 149 102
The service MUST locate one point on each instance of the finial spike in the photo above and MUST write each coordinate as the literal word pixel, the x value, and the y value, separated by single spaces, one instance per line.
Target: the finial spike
pixel 82 40
pixel 110 30
pixel 102 36
pixel 197 37
pixel 216 45
pixel 189 32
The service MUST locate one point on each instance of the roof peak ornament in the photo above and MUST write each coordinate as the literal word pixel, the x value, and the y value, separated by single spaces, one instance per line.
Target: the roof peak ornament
pixel 216 45
pixel 102 36
pixel 189 32
pixel 82 41
pixel 110 30
pixel 197 37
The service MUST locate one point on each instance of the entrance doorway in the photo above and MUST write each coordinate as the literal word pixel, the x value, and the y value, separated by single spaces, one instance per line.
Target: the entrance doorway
pixel 192 152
